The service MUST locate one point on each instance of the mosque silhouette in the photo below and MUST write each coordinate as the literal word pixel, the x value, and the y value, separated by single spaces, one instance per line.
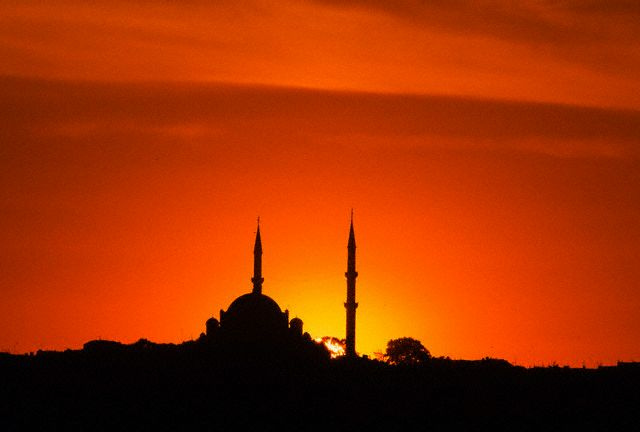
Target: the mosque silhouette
pixel 255 319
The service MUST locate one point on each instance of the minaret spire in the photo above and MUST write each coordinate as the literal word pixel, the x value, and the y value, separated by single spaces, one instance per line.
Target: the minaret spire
pixel 351 304
pixel 257 278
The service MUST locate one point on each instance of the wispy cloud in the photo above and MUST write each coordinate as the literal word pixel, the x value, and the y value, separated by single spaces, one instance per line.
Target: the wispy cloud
pixel 568 52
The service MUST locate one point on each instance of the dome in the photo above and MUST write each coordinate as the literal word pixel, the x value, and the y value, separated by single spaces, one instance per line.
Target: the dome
pixel 254 314
pixel 252 303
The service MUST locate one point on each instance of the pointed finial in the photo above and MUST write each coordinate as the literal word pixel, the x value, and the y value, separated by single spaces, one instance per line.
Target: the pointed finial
pixel 257 278
pixel 257 248
pixel 352 236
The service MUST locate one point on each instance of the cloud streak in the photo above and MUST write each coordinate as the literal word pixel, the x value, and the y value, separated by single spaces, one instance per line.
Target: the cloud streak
pixel 567 22
pixel 44 109
pixel 602 35
pixel 568 52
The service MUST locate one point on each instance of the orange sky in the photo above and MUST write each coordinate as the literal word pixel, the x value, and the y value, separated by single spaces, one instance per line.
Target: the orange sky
pixel 491 153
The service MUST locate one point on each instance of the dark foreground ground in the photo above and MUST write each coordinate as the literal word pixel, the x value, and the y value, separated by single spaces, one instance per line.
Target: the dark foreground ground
pixel 149 387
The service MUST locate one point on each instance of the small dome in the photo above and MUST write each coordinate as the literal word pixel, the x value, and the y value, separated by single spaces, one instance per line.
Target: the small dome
pixel 295 325
pixel 212 326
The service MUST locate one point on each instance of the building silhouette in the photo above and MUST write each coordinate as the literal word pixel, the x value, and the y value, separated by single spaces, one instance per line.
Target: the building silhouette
pixel 256 319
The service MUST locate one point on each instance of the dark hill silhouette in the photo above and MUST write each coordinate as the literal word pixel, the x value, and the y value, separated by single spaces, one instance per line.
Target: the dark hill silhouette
pixel 200 385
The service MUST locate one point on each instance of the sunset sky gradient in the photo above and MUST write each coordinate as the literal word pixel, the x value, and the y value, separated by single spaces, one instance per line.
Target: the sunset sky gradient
pixel 491 151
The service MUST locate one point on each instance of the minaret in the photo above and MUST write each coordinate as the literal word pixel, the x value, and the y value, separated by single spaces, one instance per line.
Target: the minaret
pixel 257 278
pixel 351 304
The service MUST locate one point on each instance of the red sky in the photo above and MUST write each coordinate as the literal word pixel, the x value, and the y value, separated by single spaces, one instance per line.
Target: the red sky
pixel 491 153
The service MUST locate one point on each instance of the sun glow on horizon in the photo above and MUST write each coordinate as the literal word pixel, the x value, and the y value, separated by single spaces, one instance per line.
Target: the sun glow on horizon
pixel 333 344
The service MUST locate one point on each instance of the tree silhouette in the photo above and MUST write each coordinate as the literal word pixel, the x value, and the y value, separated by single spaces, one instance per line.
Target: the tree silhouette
pixel 406 350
